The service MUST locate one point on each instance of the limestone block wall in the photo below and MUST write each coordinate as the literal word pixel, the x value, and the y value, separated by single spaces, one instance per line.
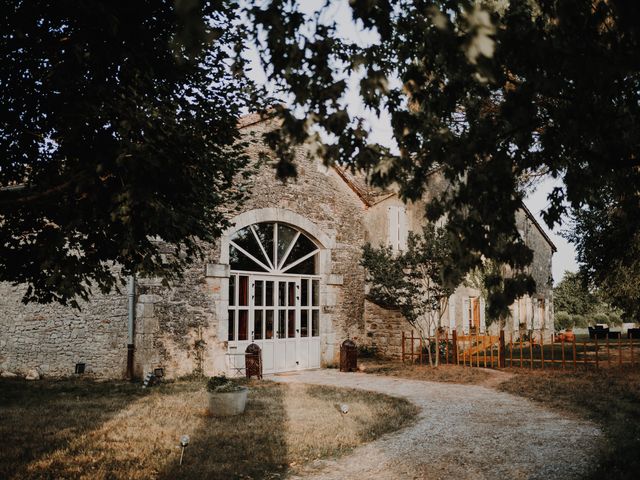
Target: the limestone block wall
pixel 321 196
pixel 184 328
pixel 383 330
pixel 52 338
pixel 175 325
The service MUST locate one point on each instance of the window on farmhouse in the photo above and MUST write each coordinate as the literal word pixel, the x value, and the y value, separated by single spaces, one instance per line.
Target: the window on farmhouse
pixel 397 228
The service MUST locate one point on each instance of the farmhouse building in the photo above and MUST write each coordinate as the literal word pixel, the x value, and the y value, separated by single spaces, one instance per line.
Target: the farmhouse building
pixel 286 276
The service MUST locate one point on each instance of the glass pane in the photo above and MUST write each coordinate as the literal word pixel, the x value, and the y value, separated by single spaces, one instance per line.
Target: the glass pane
pixel 231 328
pixel 315 293
pixel 259 293
pixel 239 261
pixel 291 330
pixel 257 325
pixel 302 247
pixel 315 323
pixel 306 267
pixel 247 241
pixel 243 323
pixel 243 291
pixel 282 292
pixel 291 297
pixel 304 292
pixel 268 324
pixel 304 323
pixel 269 294
pixel 281 322
pixel 232 290
pixel 285 236
pixel 265 234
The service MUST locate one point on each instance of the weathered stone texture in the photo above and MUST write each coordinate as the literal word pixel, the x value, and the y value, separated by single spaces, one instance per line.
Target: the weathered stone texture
pixel 182 328
pixel 384 329
pixel 52 338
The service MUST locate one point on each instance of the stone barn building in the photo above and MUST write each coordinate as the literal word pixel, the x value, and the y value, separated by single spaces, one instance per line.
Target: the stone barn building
pixel 286 276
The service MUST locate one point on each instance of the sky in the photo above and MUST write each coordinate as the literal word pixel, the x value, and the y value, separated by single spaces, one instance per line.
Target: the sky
pixel 565 257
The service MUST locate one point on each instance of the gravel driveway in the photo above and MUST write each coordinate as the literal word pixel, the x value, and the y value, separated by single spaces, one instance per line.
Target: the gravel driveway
pixel 461 432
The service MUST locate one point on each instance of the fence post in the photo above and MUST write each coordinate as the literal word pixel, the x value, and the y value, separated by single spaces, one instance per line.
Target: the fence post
pixel 484 350
pixel 531 351
pixel 511 349
pixel 521 355
pixel 542 348
pixel 446 347
pixel 501 361
pixel 575 353
pixel 597 364
pixel 455 346
pixel 403 346
pixel 620 350
pixel 412 355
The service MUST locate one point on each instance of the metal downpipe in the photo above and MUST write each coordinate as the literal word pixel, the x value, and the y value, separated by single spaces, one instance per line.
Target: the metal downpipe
pixel 131 318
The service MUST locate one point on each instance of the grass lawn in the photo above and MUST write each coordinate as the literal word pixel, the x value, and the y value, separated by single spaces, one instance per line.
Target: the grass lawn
pixel 442 373
pixel 112 430
pixel 610 397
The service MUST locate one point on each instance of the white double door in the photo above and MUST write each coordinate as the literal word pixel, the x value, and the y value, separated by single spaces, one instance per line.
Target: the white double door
pixel 281 317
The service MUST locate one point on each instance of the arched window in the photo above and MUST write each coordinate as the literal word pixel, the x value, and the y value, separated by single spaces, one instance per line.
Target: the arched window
pixel 273 247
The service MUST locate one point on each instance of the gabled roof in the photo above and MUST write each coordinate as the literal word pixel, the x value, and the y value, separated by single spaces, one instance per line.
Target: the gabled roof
pixel 539 227
pixel 371 195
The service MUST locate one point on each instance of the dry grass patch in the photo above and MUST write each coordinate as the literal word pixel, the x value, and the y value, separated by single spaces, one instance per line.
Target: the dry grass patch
pixel 442 373
pixel 610 398
pixel 75 429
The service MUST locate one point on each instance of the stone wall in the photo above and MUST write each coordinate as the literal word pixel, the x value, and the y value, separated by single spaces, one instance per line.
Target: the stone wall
pixel 383 329
pixel 52 338
pixel 183 328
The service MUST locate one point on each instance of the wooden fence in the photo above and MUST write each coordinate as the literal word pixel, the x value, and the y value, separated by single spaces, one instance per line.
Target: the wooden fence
pixel 528 350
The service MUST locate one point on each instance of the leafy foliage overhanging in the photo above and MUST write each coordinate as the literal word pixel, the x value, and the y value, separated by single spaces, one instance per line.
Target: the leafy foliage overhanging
pixel 118 130
pixel 494 93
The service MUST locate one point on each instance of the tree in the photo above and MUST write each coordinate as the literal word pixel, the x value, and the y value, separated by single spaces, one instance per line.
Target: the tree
pixel 412 281
pixel 493 94
pixel 572 296
pixel 576 303
pixel 607 239
pixel 118 137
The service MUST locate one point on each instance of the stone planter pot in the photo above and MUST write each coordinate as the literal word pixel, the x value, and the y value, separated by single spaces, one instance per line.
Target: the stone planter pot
pixel 226 404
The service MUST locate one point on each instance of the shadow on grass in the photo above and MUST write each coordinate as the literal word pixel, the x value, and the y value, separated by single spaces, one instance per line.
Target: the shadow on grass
pixel 115 430
pixel 252 445
pixel 41 417
pixel 611 400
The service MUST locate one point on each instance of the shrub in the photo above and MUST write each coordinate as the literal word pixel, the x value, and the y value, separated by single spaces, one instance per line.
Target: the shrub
pixel 614 319
pixel 222 384
pixel 579 321
pixel 563 321
pixel 600 318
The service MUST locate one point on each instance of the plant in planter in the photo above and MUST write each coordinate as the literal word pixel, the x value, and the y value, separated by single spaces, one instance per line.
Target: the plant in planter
pixel 226 396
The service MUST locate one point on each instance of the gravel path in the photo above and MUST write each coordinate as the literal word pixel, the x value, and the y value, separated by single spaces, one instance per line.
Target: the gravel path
pixel 461 432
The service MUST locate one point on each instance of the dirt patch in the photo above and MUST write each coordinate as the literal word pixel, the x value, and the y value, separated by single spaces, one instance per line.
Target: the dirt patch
pixel 462 432
pixel 442 373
